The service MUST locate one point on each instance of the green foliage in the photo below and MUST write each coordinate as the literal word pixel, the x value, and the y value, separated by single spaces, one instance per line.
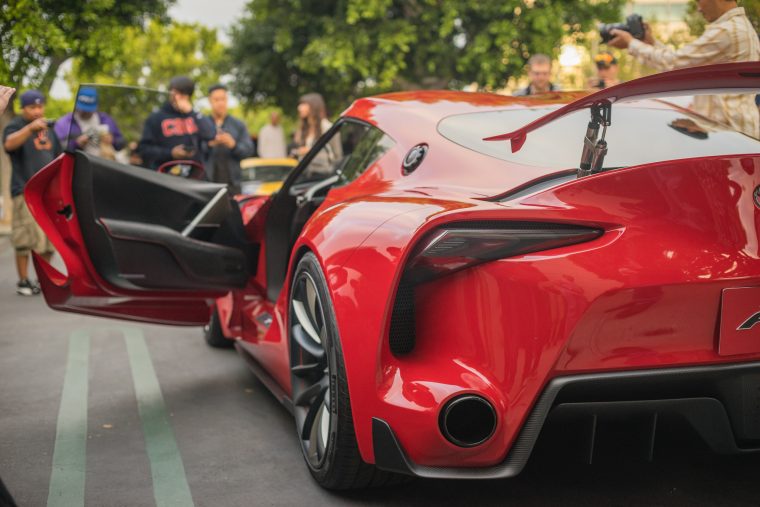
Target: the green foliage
pixel 37 36
pixel 348 48
pixel 55 107
pixel 149 57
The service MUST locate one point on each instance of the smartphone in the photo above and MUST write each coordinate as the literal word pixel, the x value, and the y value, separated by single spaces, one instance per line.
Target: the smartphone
pixel 188 147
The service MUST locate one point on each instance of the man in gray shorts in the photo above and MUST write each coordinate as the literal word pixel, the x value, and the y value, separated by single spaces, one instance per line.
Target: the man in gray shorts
pixel 31 145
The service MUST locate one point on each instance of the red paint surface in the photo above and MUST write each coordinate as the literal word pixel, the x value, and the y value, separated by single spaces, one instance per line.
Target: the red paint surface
pixel 740 321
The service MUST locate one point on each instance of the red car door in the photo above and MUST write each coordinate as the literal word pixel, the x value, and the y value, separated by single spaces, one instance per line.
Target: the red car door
pixel 136 244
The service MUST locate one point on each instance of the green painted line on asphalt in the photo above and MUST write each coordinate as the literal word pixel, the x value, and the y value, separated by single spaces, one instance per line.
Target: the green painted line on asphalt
pixel 69 455
pixel 170 486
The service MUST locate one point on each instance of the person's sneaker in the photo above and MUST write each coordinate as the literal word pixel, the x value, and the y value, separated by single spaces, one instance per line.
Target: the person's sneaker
pixel 36 287
pixel 24 288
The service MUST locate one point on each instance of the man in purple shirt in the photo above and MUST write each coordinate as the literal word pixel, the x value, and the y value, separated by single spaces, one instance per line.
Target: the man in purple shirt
pixel 88 129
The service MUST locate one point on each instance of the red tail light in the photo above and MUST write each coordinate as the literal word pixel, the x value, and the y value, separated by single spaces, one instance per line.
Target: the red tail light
pixel 462 245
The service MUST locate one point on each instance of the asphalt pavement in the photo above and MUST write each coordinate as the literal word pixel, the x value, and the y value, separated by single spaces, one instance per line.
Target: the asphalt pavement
pixel 104 413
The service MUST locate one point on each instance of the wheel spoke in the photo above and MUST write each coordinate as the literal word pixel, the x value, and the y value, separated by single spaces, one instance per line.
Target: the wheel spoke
pixel 315 390
pixel 304 320
pixel 306 343
pixel 315 453
pixel 311 301
pixel 311 418
pixel 306 370
pixel 324 425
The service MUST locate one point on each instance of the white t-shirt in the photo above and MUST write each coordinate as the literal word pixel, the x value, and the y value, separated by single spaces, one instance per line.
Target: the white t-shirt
pixel 271 142
pixel 92 127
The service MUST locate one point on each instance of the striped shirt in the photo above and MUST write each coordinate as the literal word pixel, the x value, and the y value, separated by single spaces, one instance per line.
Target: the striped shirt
pixel 730 38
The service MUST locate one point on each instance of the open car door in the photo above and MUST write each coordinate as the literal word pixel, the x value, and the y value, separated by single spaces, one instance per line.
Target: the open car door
pixel 137 245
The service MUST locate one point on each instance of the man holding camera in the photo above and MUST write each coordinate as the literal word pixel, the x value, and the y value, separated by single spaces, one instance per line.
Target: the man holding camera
pixel 32 144
pixel 729 37
pixel 176 131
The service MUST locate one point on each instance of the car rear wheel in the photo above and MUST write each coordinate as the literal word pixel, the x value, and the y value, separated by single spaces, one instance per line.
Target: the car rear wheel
pixel 212 333
pixel 321 402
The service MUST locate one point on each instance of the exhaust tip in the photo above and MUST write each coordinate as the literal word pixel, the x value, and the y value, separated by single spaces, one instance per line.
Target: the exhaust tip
pixel 468 420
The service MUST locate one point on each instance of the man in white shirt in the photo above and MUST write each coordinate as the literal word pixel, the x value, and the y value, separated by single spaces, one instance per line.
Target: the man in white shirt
pixel 729 37
pixel 271 142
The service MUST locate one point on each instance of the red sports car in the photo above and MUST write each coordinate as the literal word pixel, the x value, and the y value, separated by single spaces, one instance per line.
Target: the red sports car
pixel 426 298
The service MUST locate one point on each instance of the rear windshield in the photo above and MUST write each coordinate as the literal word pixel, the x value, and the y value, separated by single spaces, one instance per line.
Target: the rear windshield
pixel 636 136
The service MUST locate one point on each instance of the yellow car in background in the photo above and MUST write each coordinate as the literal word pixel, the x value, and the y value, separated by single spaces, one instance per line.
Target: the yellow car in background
pixel 264 176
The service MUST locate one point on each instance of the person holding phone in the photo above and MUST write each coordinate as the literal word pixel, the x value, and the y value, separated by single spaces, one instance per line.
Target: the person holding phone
pixel 231 144
pixel 176 131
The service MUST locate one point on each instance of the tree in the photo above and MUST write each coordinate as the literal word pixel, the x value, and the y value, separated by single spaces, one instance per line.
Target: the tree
pixel 149 58
pixel 37 36
pixel 349 48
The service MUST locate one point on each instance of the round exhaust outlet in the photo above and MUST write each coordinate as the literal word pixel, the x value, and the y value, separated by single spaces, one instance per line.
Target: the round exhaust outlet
pixel 467 420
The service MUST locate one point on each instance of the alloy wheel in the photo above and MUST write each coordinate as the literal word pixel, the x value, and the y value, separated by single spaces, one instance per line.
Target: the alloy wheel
pixel 310 369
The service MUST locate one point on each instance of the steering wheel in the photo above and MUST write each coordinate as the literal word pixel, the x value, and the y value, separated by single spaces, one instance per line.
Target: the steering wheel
pixel 191 169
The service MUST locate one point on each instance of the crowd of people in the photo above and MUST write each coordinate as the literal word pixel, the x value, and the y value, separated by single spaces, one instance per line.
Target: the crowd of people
pixel 177 132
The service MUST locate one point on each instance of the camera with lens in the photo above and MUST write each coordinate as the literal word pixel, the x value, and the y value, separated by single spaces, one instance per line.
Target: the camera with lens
pixel 634 25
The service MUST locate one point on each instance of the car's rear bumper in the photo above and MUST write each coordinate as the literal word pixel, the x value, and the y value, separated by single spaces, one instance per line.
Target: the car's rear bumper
pixel 721 403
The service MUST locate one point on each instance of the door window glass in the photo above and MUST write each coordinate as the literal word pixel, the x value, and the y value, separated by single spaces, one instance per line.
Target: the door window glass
pixel 351 149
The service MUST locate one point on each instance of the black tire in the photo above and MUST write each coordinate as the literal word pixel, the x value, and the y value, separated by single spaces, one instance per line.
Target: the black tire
pixel 320 389
pixel 212 332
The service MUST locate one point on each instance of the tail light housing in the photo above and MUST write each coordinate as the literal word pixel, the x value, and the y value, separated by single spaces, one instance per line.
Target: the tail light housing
pixel 462 245
pixel 457 246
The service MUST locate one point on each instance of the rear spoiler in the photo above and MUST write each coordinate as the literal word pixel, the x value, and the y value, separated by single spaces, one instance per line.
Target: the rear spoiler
pixel 724 78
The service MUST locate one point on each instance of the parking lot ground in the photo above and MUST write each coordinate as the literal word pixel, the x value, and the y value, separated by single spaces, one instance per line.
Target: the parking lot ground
pixel 197 428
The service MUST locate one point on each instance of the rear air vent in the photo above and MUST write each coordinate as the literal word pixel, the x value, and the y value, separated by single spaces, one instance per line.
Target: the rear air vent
pixel 402 320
